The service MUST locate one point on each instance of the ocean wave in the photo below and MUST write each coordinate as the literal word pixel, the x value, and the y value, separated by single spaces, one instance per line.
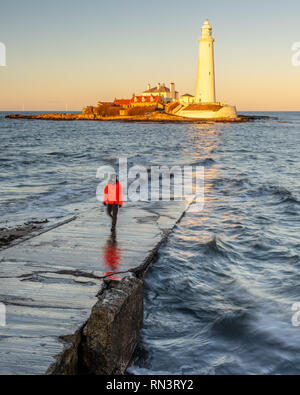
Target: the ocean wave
pixel 218 247
pixel 285 195
pixel 206 162
pixel 233 324
pixel 215 246
pixel 232 182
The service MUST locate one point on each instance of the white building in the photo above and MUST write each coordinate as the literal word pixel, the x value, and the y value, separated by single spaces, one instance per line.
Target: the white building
pixel 205 89
pixel 187 99
pixel 168 94
pixel 204 105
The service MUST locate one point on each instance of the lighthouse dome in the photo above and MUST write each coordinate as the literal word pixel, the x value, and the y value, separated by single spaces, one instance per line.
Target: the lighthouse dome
pixel 207 24
pixel 206 29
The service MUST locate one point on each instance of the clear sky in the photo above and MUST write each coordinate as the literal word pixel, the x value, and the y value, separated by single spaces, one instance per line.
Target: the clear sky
pixel 77 52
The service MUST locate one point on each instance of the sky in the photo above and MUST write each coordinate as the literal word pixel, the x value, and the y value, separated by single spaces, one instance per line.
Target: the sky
pixel 74 53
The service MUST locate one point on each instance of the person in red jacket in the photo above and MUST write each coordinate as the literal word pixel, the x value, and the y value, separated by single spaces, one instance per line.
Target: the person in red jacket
pixel 112 199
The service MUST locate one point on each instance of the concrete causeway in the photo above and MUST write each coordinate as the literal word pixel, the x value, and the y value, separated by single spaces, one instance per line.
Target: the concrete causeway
pixel 50 283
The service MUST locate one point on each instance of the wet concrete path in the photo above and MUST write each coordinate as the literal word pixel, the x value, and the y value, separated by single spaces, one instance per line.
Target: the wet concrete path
pixel 49 283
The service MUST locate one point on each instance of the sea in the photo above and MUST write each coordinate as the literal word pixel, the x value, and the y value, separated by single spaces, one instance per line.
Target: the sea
pixel 224 294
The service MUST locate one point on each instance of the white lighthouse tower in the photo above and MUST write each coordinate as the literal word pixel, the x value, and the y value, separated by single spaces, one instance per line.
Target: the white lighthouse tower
pixel 205 89
pixel 204 105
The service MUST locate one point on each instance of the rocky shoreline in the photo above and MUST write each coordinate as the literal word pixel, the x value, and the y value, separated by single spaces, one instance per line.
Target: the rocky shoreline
pixel 157 116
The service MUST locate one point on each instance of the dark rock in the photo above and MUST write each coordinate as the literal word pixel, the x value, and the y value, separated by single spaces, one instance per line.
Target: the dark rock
pixel 112 331
pixel 67 362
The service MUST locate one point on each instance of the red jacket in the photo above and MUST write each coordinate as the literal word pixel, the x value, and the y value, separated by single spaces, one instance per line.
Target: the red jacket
pixel 113 194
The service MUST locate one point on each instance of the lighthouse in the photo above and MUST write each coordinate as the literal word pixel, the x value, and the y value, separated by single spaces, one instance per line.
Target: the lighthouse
pixel 204 105
pixel 205 89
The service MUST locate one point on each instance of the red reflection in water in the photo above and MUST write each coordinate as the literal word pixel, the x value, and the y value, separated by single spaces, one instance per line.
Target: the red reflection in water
pixel 112 255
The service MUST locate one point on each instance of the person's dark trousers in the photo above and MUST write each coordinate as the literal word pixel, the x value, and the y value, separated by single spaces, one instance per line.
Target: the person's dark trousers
pixel 112 210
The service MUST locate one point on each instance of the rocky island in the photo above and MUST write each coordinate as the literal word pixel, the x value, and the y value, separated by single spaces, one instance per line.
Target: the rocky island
pixel 109 113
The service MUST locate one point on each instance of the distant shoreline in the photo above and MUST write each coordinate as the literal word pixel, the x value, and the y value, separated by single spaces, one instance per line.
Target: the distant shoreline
pixel 156 117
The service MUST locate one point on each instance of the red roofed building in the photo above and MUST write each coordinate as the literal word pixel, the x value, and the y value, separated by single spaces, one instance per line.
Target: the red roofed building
pixel 138 101
pixel 122 103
